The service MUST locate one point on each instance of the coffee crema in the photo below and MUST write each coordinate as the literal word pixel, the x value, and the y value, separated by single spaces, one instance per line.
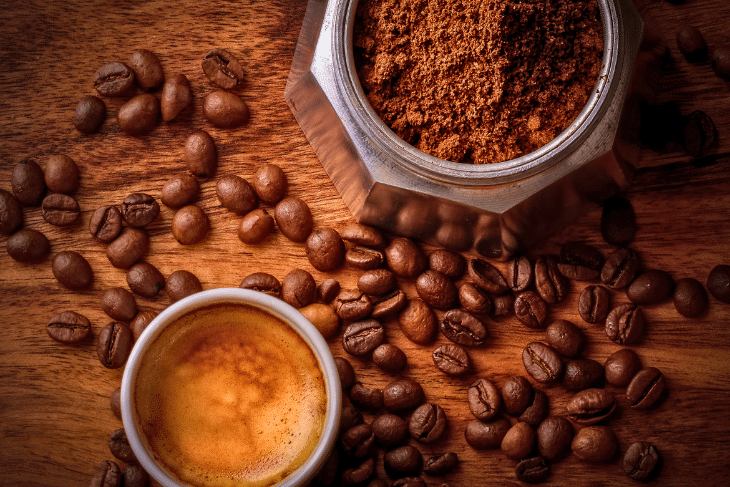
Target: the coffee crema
pixel 229 395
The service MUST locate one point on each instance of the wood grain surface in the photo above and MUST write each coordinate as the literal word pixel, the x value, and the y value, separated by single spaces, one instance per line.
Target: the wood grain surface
pixel 55 418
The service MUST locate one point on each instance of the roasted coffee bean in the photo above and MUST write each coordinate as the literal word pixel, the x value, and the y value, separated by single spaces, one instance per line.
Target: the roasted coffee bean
pixel 359 474
pixel 537 411
pixel 325 249
pixel 582 373
pixel 405 258
pixel 390 358
pixel 236 194
pixel 120 447
pixel 352 305
pixel 403 461
pixel 364 398
pixel 427 423
pixel 90 114
pixel 181 284
pixel 621 366
pixel 129 247
pixel 542 362
pixel 298 288
pixel 463 328
pixel 530 309
pixel 595 444
pixel 11 215
pixel 113 345
pixel 518 442
pixel 519 274
pixel 180 190
pixel 225 110
pixel 147 69
pixel 190 225
pixel 145 279
pixel 346 373
pixel 139 115
pixel 418 322
pixel 535 470
pixel 452 359
pixel 107 474
pixel 222 68
pixel 377 282
pixel 270 183
pixel 364 258
pixel 646 389
pixel 517 395
pixel 651 287
pixel 134 475
pixel 390 430
pixel 349 417
pixel 72 270
pixel 358 441
pixel 328 290
pixel 447 262
pixel 262 282
pixel 566 338
pixel 115 402
pixel 689 297
pixel 410 482
pixel 618 222
pixel 388 305
pixel 60 209
pixel 28 183
pixel 114 79
pixel 550 283
pixel 641 460
pixel 437 290
pixel 487 277
pixel 486 436
pixel 68 327
pixel 590 406
pixel 106 223
pixel 362 337
pixel 554 436
pixel 119 304
pixel 699 134
pixel 594 304
pixel 139 209
pixel 721 61
pixel 28 246
pixel 691 43
pixel 625 324
pixel 323 317
pixel 294 218
pixel 255 227
pixel 440 464
pixel 200 154
pixel 620 268
pixel 363 235
pixel 580 261
pixel 140 322
pixel 718 282
pixel 176 96
pixel 62 174
pixel 473 299
pixel 402 395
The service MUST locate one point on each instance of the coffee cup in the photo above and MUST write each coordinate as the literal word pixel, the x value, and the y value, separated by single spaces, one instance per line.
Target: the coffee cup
pixel 231 387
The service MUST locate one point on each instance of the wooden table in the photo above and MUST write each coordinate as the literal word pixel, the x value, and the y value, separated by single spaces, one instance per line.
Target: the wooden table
pixel 54 399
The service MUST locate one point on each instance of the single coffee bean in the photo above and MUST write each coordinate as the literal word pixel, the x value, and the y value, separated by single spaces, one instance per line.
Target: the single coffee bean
pixel 139 209
pixel 621 366
pixel 594 304
pixel 325 249
pixel 115 402
pixel 11 215
pixel 427 423
pixel 441 464
pixel 517 395
pixel 718 282
pixel 530 309
pixel 550 283
pixel 114 79
pixel 180 190
pixel 486 436
pixel 437 290
pixel 129 247
pixel 147 69
pixel 473 299
pixel 535 470
pixel 518 442
pixel 377 282
pixel 359 474
pixel 646 389
pixel 200 154
pixel 519 274
pixel 580 261
pixel 403 461
pixel 699 134
pixel 390 430
pixel 68 327
pixel 364 235
pixel 595 444
pixel 181 284
pixel 298 288
pixel 358 441
pixel 90 114
pixel 145 279
pixel 463 328
pixel 402 395
pixel 113 345
pixel 405 258
pixel 582 373
pixel 447 262
pixel 134 475
pixel 542 362
pixel 28 183
pixel 620 268
pixel 62 174
pixel 566 338
pixel 389 305
pixel 105 223
pixel 139 115
pixel 346 373
pixel 689 297
pixel 618 222
pixel 352 305
pixel 225 110
pixel 364 258
pixel 328 290
pixel 222 68
pixel 625 324
pixel 364 398
pixel 120 447
pixel 452 359
pixel 651 287
pixel 691 43
pixel 537 411
pixel 590 406
pixel 28 246
pixel 255 227
pixel 262 282
pixel 487 277
pixel 140 322
pixel 721 61
pixel 362 337
pixel 176 96
pixel 107 474
pixel 417 321
pixel 390 358
pixel 72 270
pixel 270 183
pixel 190 225
pixel 236 194
pixel 641 460
pixel 554 436
pixel 294 218
pixel 60 209
pixel 119 304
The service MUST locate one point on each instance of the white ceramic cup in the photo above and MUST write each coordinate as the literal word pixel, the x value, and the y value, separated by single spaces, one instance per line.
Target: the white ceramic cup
pixel 275 307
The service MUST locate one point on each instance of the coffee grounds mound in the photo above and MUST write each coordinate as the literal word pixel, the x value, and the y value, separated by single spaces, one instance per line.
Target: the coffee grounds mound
pixel 478 81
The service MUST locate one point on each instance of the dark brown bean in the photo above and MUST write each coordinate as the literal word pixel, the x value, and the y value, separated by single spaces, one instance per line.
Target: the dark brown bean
pixel 621 366
pixel 484 399
pixel 270 183
pixel 363 235
pixel 359 474
pixel 222 68
pixel 463 328
pixel 364 398
pixel 618 222
pixel 437 290
pixel 176 96
pixel 595 444
pixel 68 327
pixel 28 183
pixel 120 447
pixel 441 464
pixel 517 395
pixel 352 305
pixel 358 441
pixel 625 324
pixel 255 227
pixel 550 283
pixel 346 373
pixel 580 261
pixel 139 209
pixel 225 109
pixel 262 282
pixel 582 373
pixel 298 288
pixel 594 304
pixel 28 246
pixel 147 69
pixel 107 474
pixel 402 395
pixel 518 442
pixel 114 79
pixel 377 282
pixel 11 214
pixel 487 277
pixel 388 305
pixel 427 423
pixel 418 322
pixel 535 470
pixel 718 282
pixel 145 279
pixel 519 274
pixel 236 194
pixel 646 389
pixel 105 223
pixel 180 190
pixel 566 338
pixel 113 345
pixel 641 460
pixel 134 475
pixel 473 299
pixel 325 249
pixel 181 284
pixel 90 114
pixel 129 247
pixel 190 225
pixel 390 358
pixel 691 43
pixel 200 154
pixel 590 406
pixel 294 218
pixel 60 209
pixel 651 287
pixel 542 362
pixel 405 258
pixel 689 297
pixel 403 461
pixel 554 436
pixel 530 309
pixel 447 262
pixel 486 436
pixel 115 402
pixel 72 270
pixel 139 115
pixel 390 430
pixel 452 359
pixel 328 290
pixel 620 268
pixel 119 304
pixel 362 337
pixel 140 322
pixel 62 174
pixel 364 258
pixel 537 411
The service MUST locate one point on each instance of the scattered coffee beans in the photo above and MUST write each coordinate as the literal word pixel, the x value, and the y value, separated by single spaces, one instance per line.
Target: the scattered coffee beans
pixel 222 68
pixel 452 359
pixel 721 61
pixel 621 366
pixel 594 304
pixel 537 411
pixel 358 475
pixel 176 97
pixel 582 373
pixel 463 328
pixel 147 69
pixel 346 373
pixel 139 209
pixel 90 114
pixel 134 475
pixel 120 447
pixel 440 464
pixel 119 304
pixel 225 109
pixel 403 461
pixel 405 258
pixel 377 282
pixel 181 284
pixel 590 406
pixel 68 327
pixel 328 290
pixel 595 444
pixel 262 282
pixel 625 324
pixel 115 402
pixel 60 209
pixel 646 389
pixel 542 362
pixel 718 282
pixel 200 154
pixel 487 277
pixel 294 218
pixel 298 288
pixel 180 190
pixel 549 281
pixel 270 183
pixel 447 262
pixel 530 309
pixel 28 183
pixel 114 79
pixel 390 430
pixel 113 345
pixel 518 442
pixel 418 321
pixel 402 395
pixel 352 305
pixel 436 289
pixel 362 337
pixel 554 436
pixel 140 322
pixel 651 287
pixel 255 227
pixel 389 305
pixel 11 215
pixel 427 423
pixel 323 317
pixel 473 299
pixel 190 225
pixel 390 358
pixel 517 395
pixel 62 174
pixel 640 460
pixel 139 115
pixel 690 298
pixel 486 436
pixel 72 270
pixel 105 223
pixel 236 194
pixel 145 279
pixel 358 441
pixel 129 247
pixel 28 246
pixel 325 249
pixel 566 338
pixel 366 399
pixel 363 235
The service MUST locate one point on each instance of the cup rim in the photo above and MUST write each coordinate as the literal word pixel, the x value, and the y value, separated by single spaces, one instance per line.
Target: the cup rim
pixel 267 303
